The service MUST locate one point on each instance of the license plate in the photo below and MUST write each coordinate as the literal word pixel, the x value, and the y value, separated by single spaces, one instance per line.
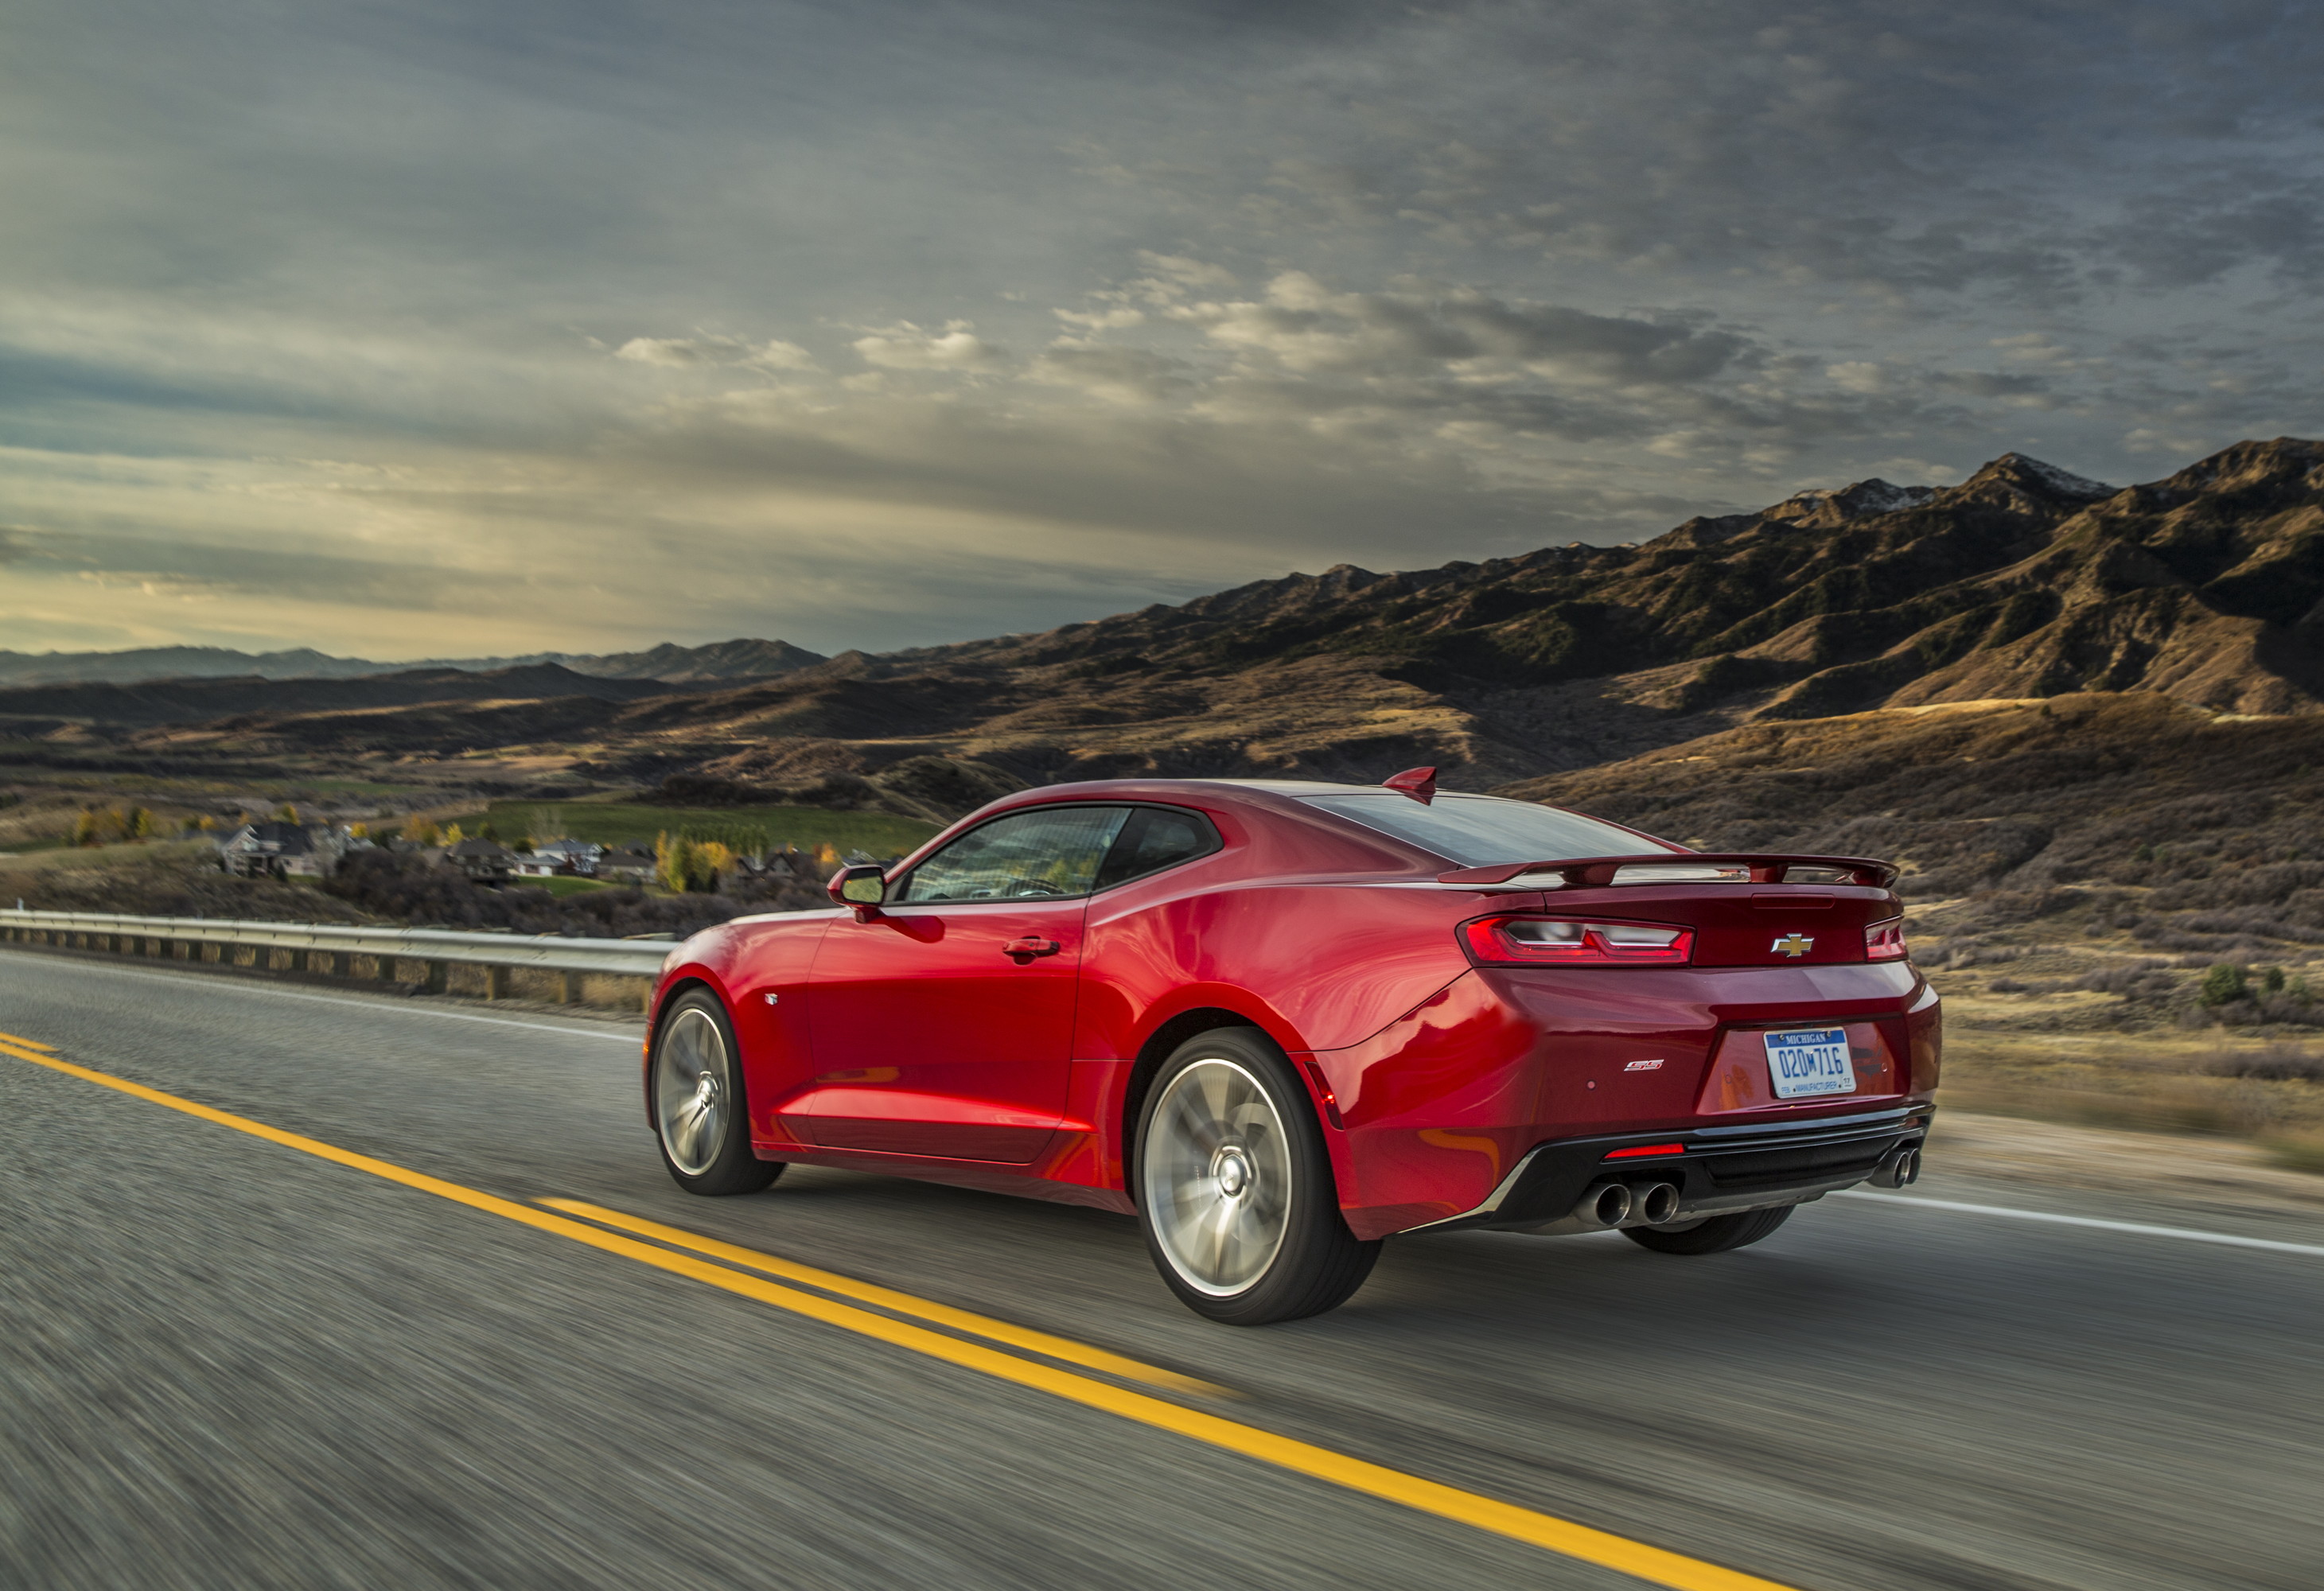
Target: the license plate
pixel 1809 1061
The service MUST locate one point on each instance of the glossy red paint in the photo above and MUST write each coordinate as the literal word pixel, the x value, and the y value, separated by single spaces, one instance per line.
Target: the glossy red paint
pixel 905 1040
pixel 929 1038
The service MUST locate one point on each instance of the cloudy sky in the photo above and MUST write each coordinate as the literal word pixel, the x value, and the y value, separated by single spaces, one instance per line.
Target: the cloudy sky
pixel 427 327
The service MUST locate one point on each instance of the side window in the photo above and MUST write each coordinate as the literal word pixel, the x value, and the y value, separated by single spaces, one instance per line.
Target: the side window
pixel 1047 852
pixel 1156 838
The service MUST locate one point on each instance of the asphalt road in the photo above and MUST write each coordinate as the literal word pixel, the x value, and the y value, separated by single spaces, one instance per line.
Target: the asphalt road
pixel 225 1362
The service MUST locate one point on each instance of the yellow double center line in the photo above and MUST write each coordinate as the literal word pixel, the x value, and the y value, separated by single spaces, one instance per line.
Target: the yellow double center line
pixel 1602 1548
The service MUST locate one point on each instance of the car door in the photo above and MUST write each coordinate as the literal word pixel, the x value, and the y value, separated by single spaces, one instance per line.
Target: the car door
pixel 942 1024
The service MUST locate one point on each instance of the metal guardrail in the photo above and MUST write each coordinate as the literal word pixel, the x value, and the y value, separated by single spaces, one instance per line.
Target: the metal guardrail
pixel 436 950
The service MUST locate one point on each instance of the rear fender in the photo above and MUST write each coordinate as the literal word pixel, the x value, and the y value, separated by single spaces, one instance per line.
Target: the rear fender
pixel 1109 1093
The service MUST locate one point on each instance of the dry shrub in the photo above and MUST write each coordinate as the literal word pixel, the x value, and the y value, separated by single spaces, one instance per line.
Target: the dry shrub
pixel 2299 1151
pixel 412 889
pixel 2276 1063
pixel 177 887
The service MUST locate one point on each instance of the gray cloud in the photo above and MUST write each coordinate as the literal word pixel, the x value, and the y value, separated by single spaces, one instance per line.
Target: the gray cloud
pixel 706 348
pixel 905 346
pixel 880 323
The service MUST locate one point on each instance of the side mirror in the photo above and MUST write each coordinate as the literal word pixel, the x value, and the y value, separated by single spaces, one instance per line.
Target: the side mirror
pixel 861 888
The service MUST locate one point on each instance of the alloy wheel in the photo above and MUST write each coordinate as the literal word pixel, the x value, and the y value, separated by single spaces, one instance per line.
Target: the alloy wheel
pixel 1217 1177
pixel 694 1091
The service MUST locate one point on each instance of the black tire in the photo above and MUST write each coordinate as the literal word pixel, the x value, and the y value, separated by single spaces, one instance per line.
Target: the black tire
pixel 1712 1233
pixel 1253 1235
pixel 701 1116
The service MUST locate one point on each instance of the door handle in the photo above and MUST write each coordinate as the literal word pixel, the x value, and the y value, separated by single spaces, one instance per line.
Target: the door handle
pixel 1024 949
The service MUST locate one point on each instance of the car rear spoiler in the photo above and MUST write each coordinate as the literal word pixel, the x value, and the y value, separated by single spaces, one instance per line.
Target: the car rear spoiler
pixel 1596 872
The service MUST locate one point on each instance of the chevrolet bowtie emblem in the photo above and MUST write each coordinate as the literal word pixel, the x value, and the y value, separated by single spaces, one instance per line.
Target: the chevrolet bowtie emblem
pixel 1794 944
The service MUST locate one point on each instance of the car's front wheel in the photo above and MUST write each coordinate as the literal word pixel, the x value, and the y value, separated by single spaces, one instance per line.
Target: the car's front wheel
pixel 1235 1189
pixel 701 1121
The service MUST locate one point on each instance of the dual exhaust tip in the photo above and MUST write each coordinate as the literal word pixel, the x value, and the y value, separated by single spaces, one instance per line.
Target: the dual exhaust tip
pixel 1900 1169
pixel 1607 1205
pixel 1615 1204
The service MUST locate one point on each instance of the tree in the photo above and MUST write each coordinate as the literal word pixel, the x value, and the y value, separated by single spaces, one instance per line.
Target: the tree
pixel 286 813
pixel 681 865
pixel 420 830
pixel 2225 984
pixel 488 829
pixel 521 845
pixel 85 828
pixel 453 834
pixel 140 824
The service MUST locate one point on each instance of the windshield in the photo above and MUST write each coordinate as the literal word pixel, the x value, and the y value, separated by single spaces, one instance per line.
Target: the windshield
pixel 1476 830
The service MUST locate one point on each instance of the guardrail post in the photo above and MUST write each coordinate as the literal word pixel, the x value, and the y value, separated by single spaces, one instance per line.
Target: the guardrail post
pixel 496 983
pixel 568 988
pixel 438 976
pixel 383 968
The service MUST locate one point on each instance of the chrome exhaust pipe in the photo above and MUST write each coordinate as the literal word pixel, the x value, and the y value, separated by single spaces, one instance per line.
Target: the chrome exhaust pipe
pixel 1607 1205
pixel 1902 1169
pixel 1657 1204
pixel 1602 1207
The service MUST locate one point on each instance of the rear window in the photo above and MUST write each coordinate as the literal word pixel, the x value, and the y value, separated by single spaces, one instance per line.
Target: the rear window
pixel 1477 830
pixel 1153 839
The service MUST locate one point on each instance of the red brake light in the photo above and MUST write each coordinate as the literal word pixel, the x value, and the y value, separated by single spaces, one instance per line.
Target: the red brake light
pixel 1885 942
pixel 1549 942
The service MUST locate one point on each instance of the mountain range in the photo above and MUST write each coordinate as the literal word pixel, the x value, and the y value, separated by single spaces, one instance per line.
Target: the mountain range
pixel 2023 583
pixel 676 664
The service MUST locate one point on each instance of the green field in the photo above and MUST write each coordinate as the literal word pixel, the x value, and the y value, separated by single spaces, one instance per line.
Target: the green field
pixel 744 828
pixel 103 856
pixel 560 884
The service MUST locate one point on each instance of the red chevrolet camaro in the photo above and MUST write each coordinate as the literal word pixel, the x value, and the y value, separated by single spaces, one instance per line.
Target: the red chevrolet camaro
pixel 1281 1021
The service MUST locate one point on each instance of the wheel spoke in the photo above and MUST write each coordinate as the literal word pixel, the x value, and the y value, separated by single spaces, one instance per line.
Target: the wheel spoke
pixel 1200 1132
pixel 1221 1226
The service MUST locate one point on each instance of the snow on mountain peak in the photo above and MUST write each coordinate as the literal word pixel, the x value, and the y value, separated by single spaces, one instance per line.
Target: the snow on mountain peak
pixel 2064 482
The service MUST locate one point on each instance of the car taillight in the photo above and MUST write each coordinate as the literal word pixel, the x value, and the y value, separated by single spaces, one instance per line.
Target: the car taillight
pixel 1885 942
pixel 1550 942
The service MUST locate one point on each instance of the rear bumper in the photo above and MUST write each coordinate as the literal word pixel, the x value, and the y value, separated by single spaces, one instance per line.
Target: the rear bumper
pixel 1720 1169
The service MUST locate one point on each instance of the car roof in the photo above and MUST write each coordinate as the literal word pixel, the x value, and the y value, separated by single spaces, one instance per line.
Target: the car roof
pixel 1133 788
pixel 1276 795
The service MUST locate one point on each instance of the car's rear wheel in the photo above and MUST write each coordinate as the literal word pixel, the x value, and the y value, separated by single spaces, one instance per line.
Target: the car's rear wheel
pixel 1235 1189
pixel 702 1120
pixel 1709 1234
